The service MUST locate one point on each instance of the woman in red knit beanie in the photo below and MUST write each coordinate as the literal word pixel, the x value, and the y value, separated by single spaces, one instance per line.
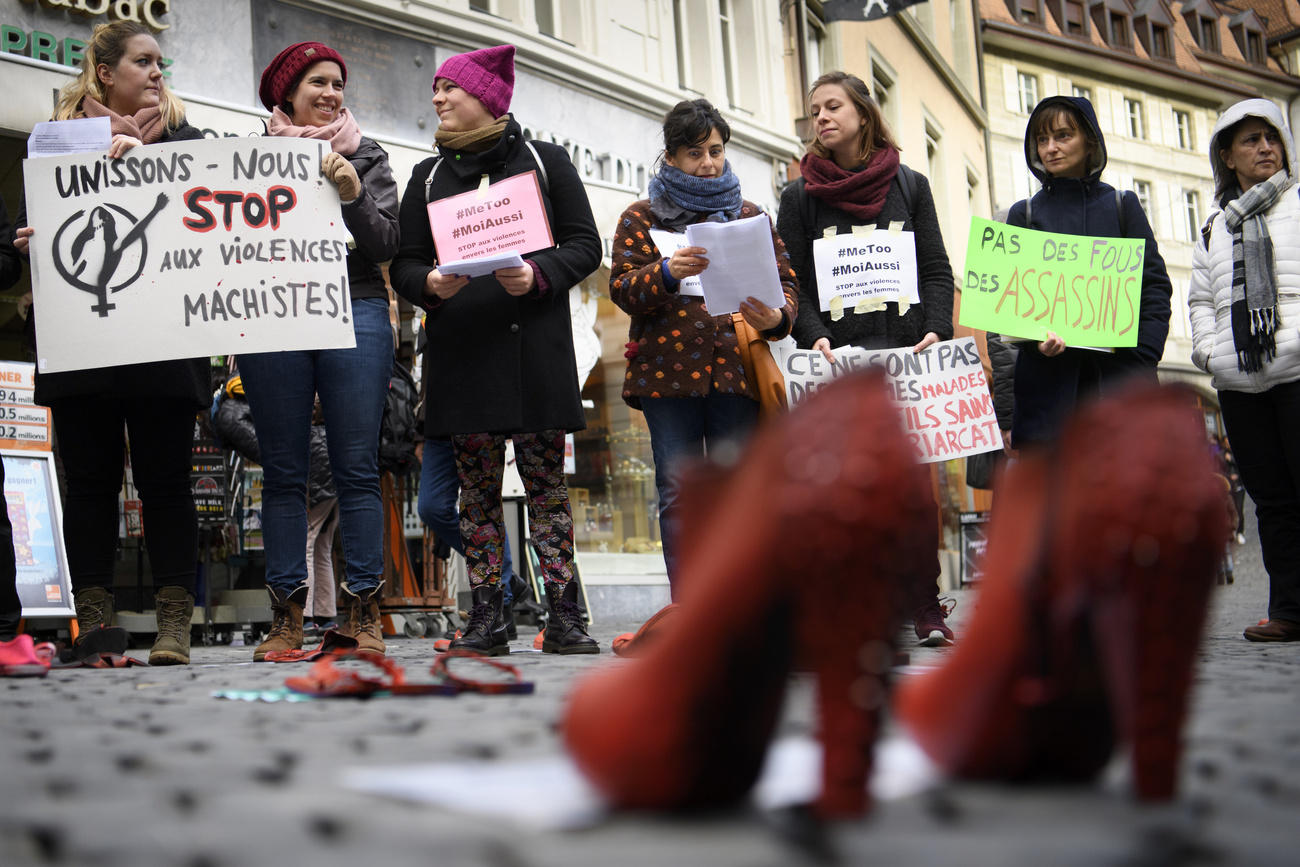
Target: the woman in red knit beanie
pixel 303 87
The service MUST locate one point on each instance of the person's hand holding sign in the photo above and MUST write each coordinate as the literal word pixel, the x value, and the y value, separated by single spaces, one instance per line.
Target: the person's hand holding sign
pixel 687 262
pixel 443 286
pixel 22 239
pixel 341 173
pixel 759 315
pixel 1052 346
pixel 927 341
pixel 120 144
pixel 516 281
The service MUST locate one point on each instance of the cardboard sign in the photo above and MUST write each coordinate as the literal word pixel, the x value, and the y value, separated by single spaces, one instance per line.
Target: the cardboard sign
pixel 23 424
pixel 1025 283
pixel 507 216
pixel 188 249
pixel 942 393
pixel 860 272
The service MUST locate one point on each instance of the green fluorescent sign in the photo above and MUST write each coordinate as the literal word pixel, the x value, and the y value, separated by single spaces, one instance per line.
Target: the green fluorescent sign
pixel 1025 283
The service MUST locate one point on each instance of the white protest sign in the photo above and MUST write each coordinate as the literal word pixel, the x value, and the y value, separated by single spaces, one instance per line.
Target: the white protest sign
pixel 942 393
pixel 669 243
pixel 186 249
pixel 859 272
pixel 507 216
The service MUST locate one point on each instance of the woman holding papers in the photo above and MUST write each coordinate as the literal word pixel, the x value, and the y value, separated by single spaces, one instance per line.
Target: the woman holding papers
pixel 499 362
pixel 852 179
pixel 121 78
pixel 684 369
pixel 1065 150
pixel 303 87
pixel 1244 300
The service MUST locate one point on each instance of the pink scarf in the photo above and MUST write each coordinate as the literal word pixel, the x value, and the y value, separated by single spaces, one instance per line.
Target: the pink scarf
pixel 342 133
pixel 145 125
pixel 861 193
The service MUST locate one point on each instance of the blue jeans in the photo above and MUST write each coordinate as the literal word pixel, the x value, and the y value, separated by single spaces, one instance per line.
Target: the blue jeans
pixel 439 486
pixel 682 429
pixel 352 384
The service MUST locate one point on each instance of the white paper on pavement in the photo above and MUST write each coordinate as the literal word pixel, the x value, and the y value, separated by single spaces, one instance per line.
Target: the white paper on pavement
pixel 550 793
pixel 668 243
pixel 482 266
pixel 742 262
pixel 54 138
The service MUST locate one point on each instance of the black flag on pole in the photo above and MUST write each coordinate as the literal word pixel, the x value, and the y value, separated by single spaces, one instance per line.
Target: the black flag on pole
pixel 862 10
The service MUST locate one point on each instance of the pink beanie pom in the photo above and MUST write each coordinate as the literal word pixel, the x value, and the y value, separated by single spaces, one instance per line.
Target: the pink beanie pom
pixel 488 73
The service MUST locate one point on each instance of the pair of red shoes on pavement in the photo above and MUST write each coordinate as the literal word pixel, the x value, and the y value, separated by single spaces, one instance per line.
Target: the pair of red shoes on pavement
pixel 1100 562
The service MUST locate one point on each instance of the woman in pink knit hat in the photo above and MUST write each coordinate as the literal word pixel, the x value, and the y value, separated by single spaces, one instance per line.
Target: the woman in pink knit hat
pixel 303 87
pixel 500 360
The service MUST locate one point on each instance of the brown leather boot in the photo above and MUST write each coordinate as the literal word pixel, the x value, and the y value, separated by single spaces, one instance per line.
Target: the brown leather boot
pixel 286 623
pixel 361 619
pixel 174 608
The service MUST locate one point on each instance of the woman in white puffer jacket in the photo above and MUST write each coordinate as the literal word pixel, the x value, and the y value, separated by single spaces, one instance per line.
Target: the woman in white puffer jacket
pixel 1244 300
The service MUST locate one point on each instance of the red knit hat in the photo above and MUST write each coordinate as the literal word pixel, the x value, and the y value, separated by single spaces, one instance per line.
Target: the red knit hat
pixel 488 73
pixel 283 73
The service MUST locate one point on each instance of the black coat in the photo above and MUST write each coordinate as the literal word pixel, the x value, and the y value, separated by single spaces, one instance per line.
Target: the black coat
pixel 371 218
pixel 495 363
pixel 883 328
pixel 1047 389
pixel 11 265
pixel 188 379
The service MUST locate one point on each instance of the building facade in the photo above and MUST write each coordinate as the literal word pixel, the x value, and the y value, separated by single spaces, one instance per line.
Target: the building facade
pixel 592 76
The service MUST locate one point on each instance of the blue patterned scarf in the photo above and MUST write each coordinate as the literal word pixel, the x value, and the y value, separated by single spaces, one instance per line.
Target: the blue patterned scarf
pixel 689 197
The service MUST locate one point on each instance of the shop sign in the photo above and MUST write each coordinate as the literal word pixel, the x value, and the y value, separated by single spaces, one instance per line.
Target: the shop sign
pixel 148 12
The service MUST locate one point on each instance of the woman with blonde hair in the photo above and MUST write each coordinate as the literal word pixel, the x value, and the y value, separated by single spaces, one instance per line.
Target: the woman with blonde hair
pixel 152 406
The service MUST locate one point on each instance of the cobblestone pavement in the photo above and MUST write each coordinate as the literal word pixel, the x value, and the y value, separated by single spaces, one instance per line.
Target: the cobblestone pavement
pixel 143 767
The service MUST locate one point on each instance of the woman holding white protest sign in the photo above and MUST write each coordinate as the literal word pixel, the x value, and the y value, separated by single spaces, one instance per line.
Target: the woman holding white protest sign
pixel 1065 150
pixel 1243 300
pixel 500 362
pixel 852 180
pixel 684 367
pixel 303 87
pixel 153 404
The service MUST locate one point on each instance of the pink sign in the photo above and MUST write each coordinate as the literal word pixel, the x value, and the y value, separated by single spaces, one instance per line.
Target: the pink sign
pixel 505 217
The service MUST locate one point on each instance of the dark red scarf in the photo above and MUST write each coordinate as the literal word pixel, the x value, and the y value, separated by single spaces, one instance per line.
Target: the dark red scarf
pixel 859 193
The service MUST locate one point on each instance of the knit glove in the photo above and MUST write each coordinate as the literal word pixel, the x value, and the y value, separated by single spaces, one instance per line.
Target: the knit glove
pixel 337 168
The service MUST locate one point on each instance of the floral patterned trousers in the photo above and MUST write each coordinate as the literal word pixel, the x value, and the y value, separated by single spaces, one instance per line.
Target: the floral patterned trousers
pixel 480 464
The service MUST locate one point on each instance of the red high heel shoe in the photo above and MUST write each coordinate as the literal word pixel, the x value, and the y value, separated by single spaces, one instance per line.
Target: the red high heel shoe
pixel 818 526
pixel 1100 560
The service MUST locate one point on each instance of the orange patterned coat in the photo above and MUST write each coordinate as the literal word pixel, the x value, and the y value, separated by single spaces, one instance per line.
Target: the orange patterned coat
pixel 676 348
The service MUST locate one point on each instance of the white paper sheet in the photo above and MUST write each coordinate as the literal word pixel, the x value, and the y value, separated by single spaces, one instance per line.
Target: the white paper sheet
pixel 742 263
pixel 550 794
pixel 668 243
pixel 481 266
pixel 53 138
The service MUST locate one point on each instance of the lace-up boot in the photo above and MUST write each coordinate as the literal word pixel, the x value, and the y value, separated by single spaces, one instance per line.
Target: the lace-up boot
pixel 286 623
pixel 567 630
pixel 362 620
pixel 94 609
pixel 174 608
pixel 486 631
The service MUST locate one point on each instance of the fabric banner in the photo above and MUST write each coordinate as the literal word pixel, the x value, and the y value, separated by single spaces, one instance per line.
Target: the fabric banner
pixel 186 249
pixel 1024 283
pixel 863 10
pixel 942 393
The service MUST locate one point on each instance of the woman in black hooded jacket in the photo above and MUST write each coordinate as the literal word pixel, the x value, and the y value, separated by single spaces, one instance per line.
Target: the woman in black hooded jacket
pixel 1066 152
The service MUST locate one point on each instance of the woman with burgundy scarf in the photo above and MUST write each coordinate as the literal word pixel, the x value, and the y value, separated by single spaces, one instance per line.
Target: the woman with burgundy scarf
pixel 684 370
pixel 121 79
pixel 303 88
pixel 851 177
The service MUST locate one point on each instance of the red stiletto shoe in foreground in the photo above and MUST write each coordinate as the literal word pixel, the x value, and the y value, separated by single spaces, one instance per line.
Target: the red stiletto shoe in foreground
pixel 819 527
pixel 1100 562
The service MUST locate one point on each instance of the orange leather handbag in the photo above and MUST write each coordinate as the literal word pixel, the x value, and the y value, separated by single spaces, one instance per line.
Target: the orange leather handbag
pixel 761 370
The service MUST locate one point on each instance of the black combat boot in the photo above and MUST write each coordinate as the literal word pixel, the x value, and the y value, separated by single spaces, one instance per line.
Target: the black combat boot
pixel 486 631
pixel 566 632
